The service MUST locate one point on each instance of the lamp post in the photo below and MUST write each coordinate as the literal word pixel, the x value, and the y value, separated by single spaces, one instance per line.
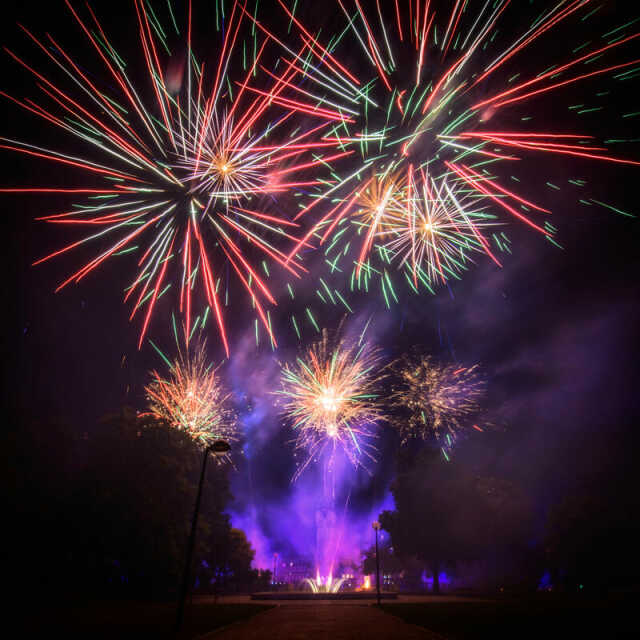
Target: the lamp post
pixel 275 572
pixel 376 527
pixel 219 449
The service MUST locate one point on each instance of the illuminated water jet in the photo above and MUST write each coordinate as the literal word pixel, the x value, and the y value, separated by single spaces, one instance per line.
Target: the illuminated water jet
pixel 321 585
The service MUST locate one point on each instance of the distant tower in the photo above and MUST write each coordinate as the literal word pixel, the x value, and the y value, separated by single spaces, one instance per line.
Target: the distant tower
pixel 326 533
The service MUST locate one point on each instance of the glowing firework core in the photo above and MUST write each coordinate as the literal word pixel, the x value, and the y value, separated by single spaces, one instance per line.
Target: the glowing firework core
pixel 332 430
pixel 330 401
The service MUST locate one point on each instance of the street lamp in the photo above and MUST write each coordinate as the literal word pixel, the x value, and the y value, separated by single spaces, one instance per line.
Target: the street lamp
pixel 219 448
pixel 376 527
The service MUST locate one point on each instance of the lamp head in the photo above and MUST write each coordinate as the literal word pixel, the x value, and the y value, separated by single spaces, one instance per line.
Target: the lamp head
pixel 220 448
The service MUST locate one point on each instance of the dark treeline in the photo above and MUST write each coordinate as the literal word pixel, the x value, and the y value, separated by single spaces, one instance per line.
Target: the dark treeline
pixel 487 532
pixel 106 511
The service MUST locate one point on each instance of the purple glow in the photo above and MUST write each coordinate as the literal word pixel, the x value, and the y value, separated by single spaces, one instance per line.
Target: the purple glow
pixel 427 579
pixel 294 529
pixel 304 528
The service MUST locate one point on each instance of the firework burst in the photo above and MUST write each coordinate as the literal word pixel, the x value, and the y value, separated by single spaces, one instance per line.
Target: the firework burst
pixel 433 401
pixel 189 162
pixel 436 233
pixel 328 396
pixel 431 76
pixel 193 399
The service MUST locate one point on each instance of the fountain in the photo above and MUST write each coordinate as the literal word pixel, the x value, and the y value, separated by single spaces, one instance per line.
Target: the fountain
pixel 319 585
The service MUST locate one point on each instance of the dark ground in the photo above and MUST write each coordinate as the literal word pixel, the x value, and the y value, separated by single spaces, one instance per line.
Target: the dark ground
pixel 546 616
pixel 129 620
pixel 540 618
pixel 331 621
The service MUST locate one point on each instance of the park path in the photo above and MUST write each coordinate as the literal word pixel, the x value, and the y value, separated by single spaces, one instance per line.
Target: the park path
pixel 334 622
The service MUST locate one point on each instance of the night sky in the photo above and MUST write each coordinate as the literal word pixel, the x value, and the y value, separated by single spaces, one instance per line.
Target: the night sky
pixel 555 330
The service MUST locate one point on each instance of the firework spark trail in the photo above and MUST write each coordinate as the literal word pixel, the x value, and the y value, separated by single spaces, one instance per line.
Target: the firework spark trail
pixel 329 398
pixel 192 398
pixel 188 171
pixel 434 401
pixel 429 118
